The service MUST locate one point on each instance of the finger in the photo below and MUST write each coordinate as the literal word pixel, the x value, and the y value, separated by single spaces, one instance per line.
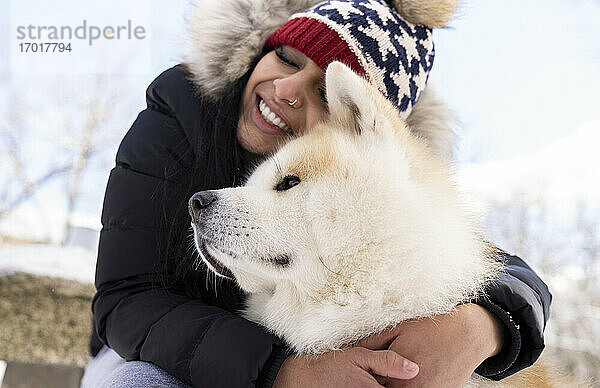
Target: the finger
pixel 387 363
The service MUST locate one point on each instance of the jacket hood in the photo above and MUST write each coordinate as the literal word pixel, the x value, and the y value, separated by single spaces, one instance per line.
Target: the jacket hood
pixel 225 36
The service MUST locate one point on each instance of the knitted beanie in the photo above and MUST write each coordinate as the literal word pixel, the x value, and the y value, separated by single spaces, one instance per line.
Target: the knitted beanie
pixel 368 36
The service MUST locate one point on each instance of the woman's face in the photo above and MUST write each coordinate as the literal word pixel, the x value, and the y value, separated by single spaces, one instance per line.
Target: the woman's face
pixel 281 77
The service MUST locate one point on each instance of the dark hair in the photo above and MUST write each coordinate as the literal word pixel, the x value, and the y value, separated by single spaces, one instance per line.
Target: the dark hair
pixel 218 163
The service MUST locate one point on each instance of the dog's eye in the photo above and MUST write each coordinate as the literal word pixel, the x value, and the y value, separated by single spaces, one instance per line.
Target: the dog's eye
pixel 287 183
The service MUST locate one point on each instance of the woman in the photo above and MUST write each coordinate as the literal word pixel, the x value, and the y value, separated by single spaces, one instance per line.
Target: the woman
pixel 207 134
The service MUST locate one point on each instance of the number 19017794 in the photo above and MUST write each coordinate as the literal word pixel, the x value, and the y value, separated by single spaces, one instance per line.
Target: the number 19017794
pixel 44 47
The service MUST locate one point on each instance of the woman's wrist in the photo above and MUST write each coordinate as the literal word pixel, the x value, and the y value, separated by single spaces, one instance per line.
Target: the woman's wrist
pixel 488 329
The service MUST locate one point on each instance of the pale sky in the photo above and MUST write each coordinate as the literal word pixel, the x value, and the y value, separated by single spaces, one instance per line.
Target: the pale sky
pixel 520 74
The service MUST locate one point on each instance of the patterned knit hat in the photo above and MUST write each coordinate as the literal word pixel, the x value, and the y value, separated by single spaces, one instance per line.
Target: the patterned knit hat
pixel 368 36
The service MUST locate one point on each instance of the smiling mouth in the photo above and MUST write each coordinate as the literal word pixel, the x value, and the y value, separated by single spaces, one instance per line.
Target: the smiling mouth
pixel 213 264
pixel 272 118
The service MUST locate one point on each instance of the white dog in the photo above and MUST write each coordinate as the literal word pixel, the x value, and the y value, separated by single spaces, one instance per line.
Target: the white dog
pixel 347 230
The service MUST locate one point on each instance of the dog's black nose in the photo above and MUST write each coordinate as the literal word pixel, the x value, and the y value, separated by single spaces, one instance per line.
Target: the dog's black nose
pixel 199 201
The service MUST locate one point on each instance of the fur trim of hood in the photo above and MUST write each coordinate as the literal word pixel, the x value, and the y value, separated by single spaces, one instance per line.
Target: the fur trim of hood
pixel 432 121
pixel 225 36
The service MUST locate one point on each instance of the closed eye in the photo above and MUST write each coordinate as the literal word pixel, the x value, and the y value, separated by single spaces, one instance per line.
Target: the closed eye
pixel 284 58
pixel 287 183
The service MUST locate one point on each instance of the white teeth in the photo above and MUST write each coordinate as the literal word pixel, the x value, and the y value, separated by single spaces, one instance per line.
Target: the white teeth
pixel 272 118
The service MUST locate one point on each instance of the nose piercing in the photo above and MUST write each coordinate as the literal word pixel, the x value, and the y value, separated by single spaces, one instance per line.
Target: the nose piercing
pixel 293 102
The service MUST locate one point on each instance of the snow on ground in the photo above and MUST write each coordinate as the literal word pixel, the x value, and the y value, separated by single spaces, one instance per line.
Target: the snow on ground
pixel 44 222
pixel 69 262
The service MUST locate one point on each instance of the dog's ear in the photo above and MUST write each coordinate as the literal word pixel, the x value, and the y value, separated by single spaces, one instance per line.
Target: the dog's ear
pixel 352 100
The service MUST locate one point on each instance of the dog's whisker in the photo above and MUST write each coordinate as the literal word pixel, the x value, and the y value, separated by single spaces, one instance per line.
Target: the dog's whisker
pixel 197 262
pixel 215 284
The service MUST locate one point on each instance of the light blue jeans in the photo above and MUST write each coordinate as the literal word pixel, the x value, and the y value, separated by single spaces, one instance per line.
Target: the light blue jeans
pixel 108 369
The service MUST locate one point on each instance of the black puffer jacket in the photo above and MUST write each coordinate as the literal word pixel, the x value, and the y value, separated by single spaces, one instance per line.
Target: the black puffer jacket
pixel 203 341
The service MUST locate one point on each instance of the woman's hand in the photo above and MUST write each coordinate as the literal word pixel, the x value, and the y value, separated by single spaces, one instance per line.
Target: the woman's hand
pixel 352 367
pixel 448 348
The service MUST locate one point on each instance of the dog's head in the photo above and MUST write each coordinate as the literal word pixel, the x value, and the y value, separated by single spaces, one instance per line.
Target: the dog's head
pixel 330 203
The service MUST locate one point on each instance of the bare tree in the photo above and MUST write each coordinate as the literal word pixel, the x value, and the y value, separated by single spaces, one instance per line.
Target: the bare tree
pixel 88 135
pixel 567 258
pixel 75 129
pixel 20 183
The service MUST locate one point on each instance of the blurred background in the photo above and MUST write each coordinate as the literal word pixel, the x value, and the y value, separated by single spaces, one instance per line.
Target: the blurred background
pixel 521 77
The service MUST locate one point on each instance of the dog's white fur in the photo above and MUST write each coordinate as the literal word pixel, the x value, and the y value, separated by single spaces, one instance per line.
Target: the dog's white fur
pixel 375 232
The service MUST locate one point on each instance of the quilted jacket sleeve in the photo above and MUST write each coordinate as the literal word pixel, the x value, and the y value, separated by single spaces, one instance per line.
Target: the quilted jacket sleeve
pixel 198 342
pixel 521 300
